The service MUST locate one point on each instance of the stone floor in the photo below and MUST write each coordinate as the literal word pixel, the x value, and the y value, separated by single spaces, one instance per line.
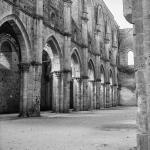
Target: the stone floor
pixel 113 129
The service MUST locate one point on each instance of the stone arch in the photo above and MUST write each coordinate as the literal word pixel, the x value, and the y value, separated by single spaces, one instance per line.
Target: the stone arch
pixel 50 82
pixel 13 31
pixel 91 70
pixel 103 87
pixel 76 63
pixel 55 42
pixel 76 74
pixel 103 74
pixel 91 85
pixel 54 51
pixel 111 89
pixel 22 35
pixel 111 77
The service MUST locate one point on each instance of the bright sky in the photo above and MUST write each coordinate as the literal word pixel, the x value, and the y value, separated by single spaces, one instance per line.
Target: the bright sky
pixel 116 7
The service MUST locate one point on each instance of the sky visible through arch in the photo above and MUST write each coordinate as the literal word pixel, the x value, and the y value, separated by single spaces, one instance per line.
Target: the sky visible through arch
pixel 116 7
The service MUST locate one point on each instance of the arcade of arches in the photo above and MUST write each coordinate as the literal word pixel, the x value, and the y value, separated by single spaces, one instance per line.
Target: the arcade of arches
pixel 44 66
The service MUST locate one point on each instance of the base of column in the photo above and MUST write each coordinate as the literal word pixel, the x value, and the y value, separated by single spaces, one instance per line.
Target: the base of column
pixel 23 115
pixel 107 105
pixel 143 140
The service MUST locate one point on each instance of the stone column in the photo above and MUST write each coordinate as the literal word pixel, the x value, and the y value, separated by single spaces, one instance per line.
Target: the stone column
pixel 24 69
pixel 75 93
pixel 118 94
pixel 85 94
pixel 58 90
pixel 79 92
pixel 56 96
pixel 81 95
pixel 97 38
pixel 61 92
pixel 90 101
pixel 38 33
pixel 94 95
pixel 84 31
pixel 98 93
pixel 67 55
pixel 111 95
pixel 142 27
pixel 34 89
pixel 102 96
pixel 66 89
pixel 107 94
pixel 34 85
pixel 98 80
pixel 140 12
pixel 115 101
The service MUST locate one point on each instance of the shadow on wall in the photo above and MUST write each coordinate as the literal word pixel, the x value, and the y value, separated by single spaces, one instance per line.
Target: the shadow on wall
pixel 128 90
pixel 128 97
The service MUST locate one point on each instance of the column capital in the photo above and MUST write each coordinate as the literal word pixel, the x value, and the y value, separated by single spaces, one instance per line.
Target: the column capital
pixel 66 71
pixel 115 85
pixel 78 79
pixel 35 63
pixel 24 67
pixel 107 83
pixel 98 80
pixel 84 77
pixel 98 29
pixel 68 1
pixel 57 74
pixel 92 81
pixel 84 16
pixel 84 45
pixel 107 38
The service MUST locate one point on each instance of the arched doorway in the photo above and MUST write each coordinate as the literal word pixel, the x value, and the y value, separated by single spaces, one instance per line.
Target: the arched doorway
pixel 46 88
pixel 74 84
pixel 50 82
pixel 14 62
pixel 103 91
pixel 9 73
pixel 111 94
pixel 91 86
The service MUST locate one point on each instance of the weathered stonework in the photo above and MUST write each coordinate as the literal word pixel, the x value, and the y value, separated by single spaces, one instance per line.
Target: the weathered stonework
pixel 139 10
pixel 67 55
pixel 126 71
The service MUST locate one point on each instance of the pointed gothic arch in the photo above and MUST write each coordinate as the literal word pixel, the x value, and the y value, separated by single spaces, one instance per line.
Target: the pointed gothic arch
pixel 76 74
pixel 13 36
pixel 51 67
pixel 91 70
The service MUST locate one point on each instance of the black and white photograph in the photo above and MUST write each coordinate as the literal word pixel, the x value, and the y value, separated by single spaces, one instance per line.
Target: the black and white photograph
pixel 74 74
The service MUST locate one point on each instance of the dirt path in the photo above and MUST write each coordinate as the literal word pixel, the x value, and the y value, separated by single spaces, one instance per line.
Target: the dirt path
pixel 95 130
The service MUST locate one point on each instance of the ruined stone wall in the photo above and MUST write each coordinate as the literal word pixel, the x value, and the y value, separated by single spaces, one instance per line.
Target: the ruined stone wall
pixel 137 13
pixel 79 38
pixel 126 74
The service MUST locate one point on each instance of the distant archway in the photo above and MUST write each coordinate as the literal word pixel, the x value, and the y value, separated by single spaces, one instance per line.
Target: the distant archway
pixel 111 94
pixel 103 89
pixel 14 51
pixel 50 82
pixel 91 86
pixel 74 84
